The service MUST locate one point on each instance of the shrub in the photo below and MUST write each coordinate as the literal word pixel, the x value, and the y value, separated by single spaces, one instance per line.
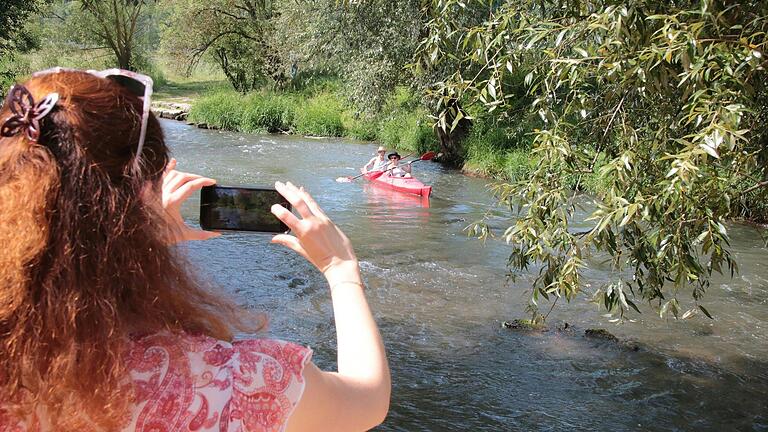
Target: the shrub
pixel 223 110
pixel 320 116
pixel 267 112
pixel 362 127
pixel 410 131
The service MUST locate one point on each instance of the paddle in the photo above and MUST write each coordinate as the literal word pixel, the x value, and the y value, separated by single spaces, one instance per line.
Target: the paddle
pixel 425 156
pixel 376 174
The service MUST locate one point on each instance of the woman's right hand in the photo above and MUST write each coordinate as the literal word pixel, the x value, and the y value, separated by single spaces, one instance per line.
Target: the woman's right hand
pixel 316 237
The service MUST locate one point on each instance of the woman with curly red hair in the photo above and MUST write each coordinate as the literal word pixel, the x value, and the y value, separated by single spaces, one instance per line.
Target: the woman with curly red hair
pixel 102 326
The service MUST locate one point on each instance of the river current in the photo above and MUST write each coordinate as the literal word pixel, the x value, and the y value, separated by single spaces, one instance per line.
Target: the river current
pixel 440 298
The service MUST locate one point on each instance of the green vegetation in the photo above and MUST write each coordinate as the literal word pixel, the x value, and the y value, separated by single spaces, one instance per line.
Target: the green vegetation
pixel 318 114
pixel 657 107
pixel 656 112
pixel 15 38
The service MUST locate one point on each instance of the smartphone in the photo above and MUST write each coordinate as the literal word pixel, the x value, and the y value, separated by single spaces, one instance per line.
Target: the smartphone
pixel 240 209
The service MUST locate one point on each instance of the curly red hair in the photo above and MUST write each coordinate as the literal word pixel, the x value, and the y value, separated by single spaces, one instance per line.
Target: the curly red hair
pixel 84 261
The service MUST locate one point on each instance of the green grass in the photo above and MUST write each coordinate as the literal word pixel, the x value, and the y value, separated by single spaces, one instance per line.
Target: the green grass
pixel 411 131
pixel 267 112
pixel 316 108
pixel 223 110
pixel 186 91
pixel 320 116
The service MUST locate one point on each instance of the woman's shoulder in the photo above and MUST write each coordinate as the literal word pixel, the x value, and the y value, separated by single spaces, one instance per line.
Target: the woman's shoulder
pixel 217 382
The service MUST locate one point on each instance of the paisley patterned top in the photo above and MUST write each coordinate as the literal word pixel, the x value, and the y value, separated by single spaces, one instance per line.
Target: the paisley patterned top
pixel 196 383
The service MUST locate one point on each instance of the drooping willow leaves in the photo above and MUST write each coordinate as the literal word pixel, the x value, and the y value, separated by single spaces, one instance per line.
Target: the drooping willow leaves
pixel 663 103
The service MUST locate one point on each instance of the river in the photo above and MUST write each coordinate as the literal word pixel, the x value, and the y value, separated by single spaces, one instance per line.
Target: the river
pixel 440 298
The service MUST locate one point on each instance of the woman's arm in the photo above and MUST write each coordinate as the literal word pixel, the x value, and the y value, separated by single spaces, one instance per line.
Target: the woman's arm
pixel 371 163
pixel 356 398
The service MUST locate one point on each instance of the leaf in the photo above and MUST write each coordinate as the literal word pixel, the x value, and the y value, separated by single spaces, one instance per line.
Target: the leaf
pixel 710 151
pixel 706 312
pixel 528 79
pixel 633 305
pixel 492 88
pixel 560 37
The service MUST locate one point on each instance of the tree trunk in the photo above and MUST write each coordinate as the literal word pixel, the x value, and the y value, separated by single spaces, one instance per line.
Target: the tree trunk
pixel 451 144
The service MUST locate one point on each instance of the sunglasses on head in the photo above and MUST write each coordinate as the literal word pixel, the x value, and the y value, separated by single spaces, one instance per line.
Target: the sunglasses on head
pixel 139 85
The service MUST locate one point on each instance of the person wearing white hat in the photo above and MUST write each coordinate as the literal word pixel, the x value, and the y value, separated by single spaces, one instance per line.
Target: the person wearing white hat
pixel 377 163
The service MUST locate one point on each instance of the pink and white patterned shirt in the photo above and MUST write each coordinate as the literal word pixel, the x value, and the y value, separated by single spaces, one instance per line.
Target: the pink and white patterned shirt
pixel 196 383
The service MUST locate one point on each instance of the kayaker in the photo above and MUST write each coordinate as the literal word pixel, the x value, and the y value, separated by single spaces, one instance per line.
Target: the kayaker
pixel 377 163
pixel 394 169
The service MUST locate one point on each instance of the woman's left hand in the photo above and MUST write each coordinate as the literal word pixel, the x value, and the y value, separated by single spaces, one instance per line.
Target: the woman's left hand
pixel 177 187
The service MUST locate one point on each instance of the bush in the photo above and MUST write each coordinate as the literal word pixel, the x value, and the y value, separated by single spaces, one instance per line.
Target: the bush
pixel 320 116
pixel 410 131
pixel 362 128
pixel 267 112
pixel 156 73
pixel 308 84
pixel 223 110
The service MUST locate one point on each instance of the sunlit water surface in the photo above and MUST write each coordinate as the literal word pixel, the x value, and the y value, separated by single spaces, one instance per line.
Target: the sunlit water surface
pixel 440 298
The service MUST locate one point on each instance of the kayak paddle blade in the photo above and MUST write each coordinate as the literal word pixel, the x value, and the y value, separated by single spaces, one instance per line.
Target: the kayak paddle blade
pixel 428 156
pixel 375 175
pixel 344 179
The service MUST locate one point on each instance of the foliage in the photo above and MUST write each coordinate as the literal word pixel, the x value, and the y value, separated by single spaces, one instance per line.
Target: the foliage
pixel 320 116
pixel 667 95
pixel 236 34
pixel 15 38
pixel 361 127
pixel 223 110
pixel 408 130
pixel 367 43
pixel 492 152
pixel 95 34
pixel 403 125
pixel 271 112
pixel 268 112
pixel 116 26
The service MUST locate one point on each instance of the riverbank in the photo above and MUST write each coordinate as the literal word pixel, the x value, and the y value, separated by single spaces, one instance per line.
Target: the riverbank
pixel 316 110
pixel 321 110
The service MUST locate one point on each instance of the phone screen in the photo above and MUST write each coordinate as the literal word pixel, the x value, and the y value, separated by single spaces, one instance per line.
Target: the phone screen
pixel 240 209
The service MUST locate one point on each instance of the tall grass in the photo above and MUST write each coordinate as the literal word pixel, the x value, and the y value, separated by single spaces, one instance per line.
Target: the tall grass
pixel 411 131
pixel 497 150
pixel 222 110
pixel 314 109
pixel 320 116
pixel 267 112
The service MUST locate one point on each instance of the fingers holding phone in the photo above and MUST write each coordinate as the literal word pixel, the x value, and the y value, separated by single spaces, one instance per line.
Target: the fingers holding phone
pixel 176 188
pixel 315 237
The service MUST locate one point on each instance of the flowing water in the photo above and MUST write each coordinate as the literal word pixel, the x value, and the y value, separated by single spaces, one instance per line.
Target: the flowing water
pixel 440 297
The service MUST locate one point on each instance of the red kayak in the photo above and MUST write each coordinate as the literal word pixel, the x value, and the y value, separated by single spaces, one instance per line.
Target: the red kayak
pixel 400 184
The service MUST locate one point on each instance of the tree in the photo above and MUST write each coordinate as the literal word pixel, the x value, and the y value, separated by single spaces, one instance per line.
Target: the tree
pixel 367 43
pixel 13 17
pixel 662 104
pixel 117 26
pixel 14 36
pixel 237 34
